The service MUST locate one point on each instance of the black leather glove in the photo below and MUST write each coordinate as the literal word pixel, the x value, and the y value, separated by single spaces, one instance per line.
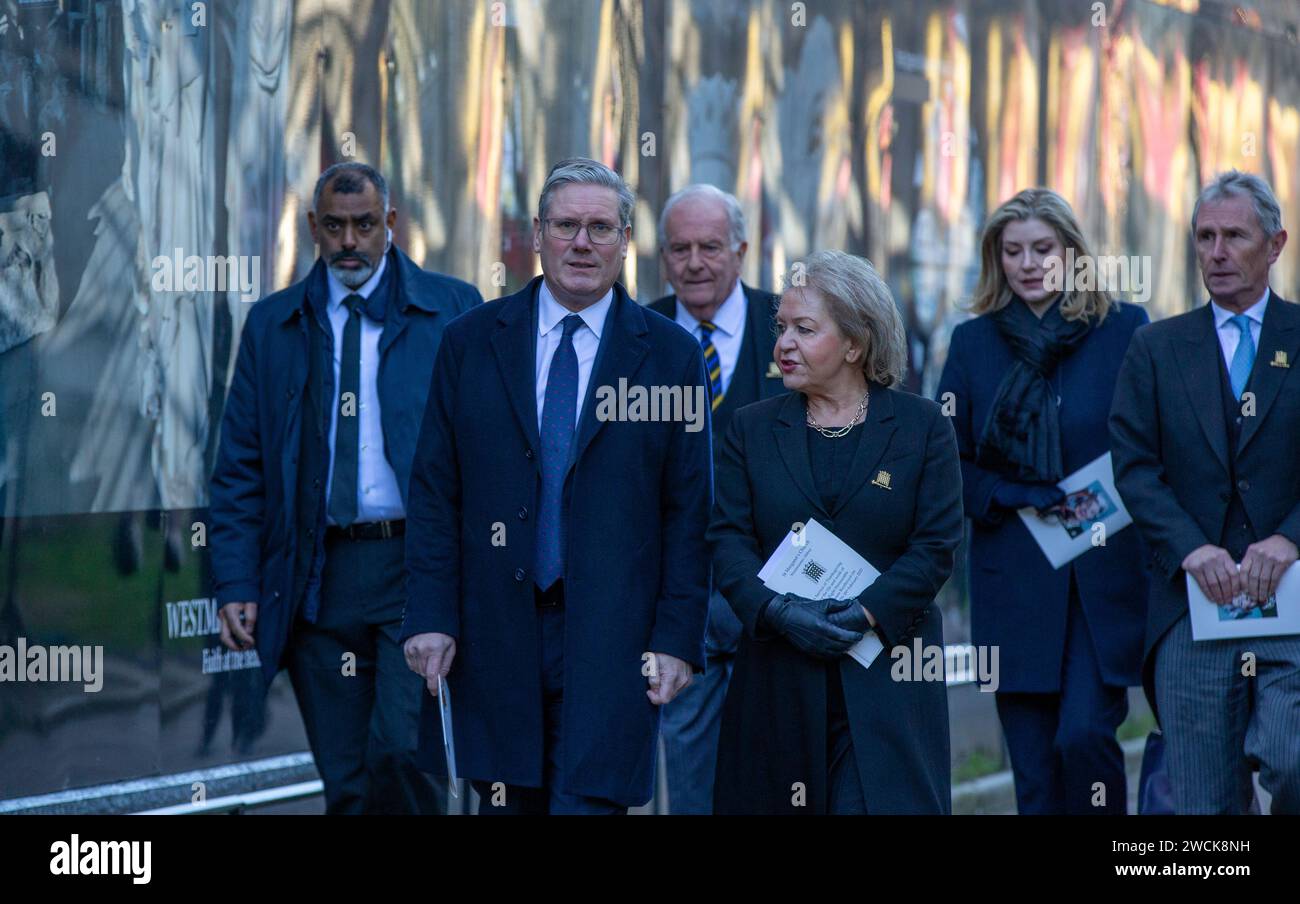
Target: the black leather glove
pixel 806 624
pixel 1040 496
pixel 851 618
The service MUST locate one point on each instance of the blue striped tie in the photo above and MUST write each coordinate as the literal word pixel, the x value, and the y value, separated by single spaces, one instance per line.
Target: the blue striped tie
pixel 712 363
pixel 1243 359
pixel 559 408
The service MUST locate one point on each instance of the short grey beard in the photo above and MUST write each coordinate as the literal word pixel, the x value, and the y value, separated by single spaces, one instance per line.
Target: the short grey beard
pixel 353 279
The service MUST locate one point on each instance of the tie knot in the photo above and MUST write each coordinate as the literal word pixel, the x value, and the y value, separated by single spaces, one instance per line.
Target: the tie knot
pixel 571 324
pixel 707 327
pixel 354 303
pixel 1241 322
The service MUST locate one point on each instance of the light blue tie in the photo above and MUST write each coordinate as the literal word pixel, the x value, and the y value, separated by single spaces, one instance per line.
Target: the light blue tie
pixel 1243 359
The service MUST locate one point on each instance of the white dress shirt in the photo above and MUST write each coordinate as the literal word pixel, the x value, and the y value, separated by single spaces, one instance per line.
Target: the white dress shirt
pixel 730 333
pixel 586 341
pixel 1229 335
pixel 379 498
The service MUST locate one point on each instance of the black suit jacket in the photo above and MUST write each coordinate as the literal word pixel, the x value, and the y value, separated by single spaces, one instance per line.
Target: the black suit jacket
pixel 756 376
pixel 1169 444
pixel 901 510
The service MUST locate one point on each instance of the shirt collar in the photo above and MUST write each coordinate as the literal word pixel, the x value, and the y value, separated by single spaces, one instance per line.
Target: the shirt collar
pixel 338 291
pixel 550 312
pixel 1255 312
pixel 729 318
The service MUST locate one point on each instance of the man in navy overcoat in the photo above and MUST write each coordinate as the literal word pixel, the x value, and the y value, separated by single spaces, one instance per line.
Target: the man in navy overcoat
pixel 558 575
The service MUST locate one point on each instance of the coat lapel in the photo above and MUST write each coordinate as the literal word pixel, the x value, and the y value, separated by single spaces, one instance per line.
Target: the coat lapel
pixel 790 432
pixel 1199 347
pixel 1279 346
pixel 512 343
pixel 622 349
pixel 879 429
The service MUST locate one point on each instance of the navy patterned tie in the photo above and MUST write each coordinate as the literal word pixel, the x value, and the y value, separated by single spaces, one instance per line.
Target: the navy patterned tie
pixel 559 408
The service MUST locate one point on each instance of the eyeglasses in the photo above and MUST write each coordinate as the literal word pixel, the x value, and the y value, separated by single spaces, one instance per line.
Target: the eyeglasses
pixel 597 233
pixel 680 251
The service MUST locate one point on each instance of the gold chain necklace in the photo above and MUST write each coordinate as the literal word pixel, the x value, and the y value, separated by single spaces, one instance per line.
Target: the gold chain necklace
pixel 837 432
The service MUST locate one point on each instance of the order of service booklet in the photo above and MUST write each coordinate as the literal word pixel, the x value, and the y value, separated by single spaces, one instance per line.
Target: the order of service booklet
pixel 814 563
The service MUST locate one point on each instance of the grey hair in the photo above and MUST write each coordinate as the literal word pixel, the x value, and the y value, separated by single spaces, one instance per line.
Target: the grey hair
pixel 347 179
pixel 1234 184
pixel 864 310
pixel 735 216
pixel 584 171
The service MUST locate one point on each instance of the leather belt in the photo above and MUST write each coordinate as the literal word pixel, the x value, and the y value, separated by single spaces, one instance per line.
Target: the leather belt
pixel 367 530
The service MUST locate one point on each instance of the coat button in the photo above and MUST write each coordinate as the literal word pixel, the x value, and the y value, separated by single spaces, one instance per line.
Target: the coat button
pixel 523 513
pixel 311 532
pixel 1243 485
pixel 316 483
pixel 519 574
pixel 528 453
pixel 291 392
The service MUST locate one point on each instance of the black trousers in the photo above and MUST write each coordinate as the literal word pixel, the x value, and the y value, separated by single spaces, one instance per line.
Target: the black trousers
pixel 360 702
pixel 1063 747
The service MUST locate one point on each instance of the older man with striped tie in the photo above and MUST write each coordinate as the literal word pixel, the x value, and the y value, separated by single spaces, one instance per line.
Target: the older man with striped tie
pixel 702 246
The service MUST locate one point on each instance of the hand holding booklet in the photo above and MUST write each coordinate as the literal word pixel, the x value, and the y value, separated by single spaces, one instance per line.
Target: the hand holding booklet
pixel 816 564
pixel 1245 617
pixel 1092 509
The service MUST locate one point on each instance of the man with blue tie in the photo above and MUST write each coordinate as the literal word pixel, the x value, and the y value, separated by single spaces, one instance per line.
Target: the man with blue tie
pixel 309 491
pixel 1204 428
pixel 558 575
pixel 702 247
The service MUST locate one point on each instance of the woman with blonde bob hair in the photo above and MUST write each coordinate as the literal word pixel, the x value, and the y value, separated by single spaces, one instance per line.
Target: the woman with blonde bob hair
pixel 1030 381
pixel 878 468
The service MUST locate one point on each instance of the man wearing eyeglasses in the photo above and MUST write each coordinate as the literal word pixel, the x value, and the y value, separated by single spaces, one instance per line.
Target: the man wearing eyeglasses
pixel 558 569
pixel 702 246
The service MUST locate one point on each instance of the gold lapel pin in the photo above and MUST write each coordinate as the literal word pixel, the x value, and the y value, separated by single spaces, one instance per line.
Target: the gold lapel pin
pixel 1279 359
pixel 773 370
pixel 882 480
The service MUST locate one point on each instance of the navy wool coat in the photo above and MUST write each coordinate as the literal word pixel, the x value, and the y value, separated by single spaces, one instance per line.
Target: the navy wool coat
pixel 1018 601
pixel 636 574
pixel 254 533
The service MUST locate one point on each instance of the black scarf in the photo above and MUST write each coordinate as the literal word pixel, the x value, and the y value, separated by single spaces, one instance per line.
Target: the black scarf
pixel 1022 437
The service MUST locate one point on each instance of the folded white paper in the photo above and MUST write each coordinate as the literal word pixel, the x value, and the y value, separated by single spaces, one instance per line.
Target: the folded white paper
pixel 1090 499
pixel 1243 617
pixel 816 564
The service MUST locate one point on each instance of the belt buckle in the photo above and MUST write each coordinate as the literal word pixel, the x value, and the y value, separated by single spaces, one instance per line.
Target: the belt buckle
pixel 386 529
